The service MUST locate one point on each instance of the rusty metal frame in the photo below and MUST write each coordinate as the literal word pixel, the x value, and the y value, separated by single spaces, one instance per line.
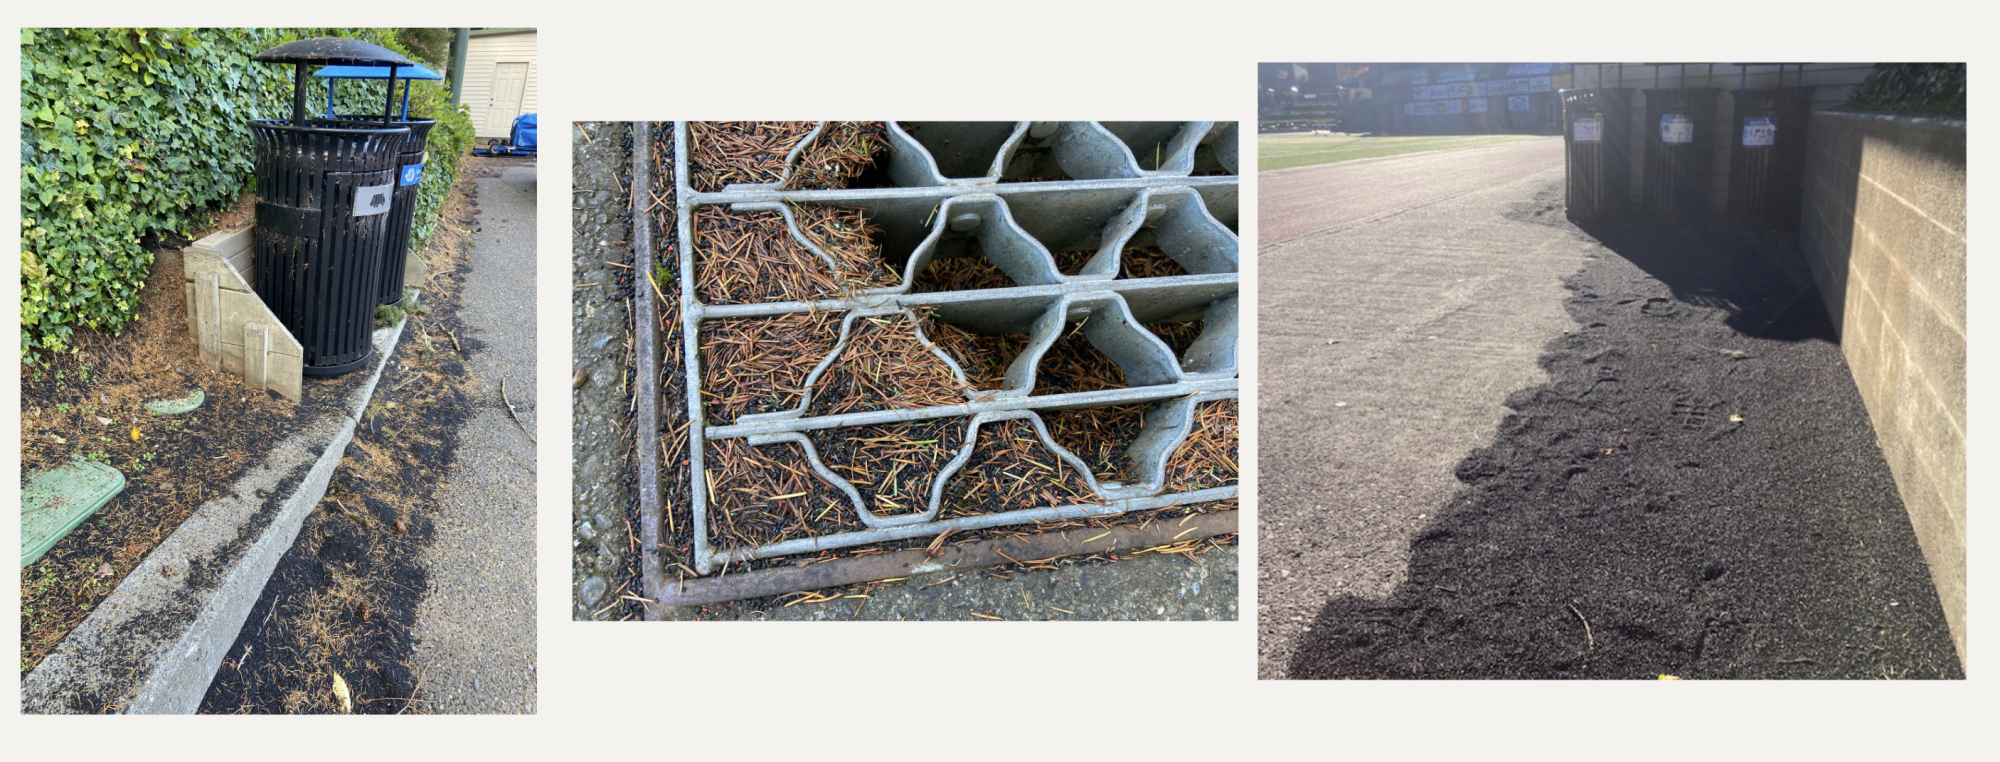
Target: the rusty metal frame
pixel 646 351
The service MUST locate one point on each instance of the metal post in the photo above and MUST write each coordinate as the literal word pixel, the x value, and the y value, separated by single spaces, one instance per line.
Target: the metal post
pixel 459 42
pixel 298 93
pixel 389 101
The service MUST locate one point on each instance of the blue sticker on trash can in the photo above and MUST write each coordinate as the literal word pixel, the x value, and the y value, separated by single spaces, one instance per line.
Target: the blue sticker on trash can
pixel 413 173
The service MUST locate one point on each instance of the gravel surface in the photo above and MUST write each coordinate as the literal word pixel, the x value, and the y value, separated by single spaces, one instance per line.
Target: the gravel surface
pixel 475 628
pixel 1388 342
pixel 600 347
pixel 1696 491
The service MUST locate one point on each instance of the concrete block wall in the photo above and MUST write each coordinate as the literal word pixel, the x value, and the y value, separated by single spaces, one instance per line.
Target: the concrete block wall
pixel 229 322
pixel 1883 229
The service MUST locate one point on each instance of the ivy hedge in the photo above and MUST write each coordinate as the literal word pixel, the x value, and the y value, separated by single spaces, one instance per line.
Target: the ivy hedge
pixel 1912 88
pixel 129 134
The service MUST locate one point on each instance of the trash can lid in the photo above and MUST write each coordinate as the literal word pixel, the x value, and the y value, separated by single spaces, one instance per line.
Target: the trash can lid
pixel 413 71
pixel 333 51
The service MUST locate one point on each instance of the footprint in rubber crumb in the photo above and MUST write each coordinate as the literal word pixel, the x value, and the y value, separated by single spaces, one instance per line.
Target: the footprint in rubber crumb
pixel 1658 307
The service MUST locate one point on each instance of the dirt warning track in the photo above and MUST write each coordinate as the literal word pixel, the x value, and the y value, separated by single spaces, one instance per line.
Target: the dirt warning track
pixel 1293 203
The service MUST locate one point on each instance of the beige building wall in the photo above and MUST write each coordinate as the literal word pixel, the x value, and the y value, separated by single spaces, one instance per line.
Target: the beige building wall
pixel 484 55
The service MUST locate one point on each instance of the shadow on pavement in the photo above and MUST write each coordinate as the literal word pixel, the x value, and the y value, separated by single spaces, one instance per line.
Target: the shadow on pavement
pixel 1697 492
pixel 1760 279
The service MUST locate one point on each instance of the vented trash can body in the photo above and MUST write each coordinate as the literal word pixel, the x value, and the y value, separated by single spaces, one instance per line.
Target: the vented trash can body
pixel 410 161
pixel 1597 143
pixel 1680 133
pixel 323 200
pixel 1767 157
pixel 324 192
pixel 410 158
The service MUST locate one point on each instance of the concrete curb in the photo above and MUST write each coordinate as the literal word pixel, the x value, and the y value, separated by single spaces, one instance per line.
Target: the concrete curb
pixel 154 645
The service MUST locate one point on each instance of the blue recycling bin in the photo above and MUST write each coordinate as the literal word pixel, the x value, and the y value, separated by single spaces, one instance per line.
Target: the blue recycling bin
pixel 410 158
pixel 324 192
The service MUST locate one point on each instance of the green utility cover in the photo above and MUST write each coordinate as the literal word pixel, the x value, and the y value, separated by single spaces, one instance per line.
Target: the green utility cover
pixel 179 406
pixel 54 502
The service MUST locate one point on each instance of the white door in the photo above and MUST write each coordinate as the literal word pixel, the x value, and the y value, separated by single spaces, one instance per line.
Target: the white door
pixel 510 82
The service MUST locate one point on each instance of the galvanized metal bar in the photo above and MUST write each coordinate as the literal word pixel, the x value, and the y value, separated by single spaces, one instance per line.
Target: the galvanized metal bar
pixel 1219 285
pixel 911 563
pixel 986 521
pixel 1099 398
pixel 646 359
pixel 690 342
pixel 849 195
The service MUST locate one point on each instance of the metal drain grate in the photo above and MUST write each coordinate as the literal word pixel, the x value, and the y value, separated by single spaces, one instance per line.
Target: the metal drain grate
pixel 964 189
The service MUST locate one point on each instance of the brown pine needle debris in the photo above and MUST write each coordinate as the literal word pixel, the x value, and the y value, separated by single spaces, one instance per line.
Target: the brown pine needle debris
pixel 959 274
pixel 1178 336
pixel 884 366
pixel 759 365
pixel 1098 435
pixel 752 256
pixel 892 465
pixel 1073 364
pixel 1149 262
pixel 727 153
pixel 763 495
pixel 850 237
pixel 983 357
pixel 1011 469
pixel 843 152
pixel 1207 458
pixel 1134 262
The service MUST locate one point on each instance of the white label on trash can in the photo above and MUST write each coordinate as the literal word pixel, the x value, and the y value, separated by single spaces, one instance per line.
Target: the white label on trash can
pixel 1589 129
pixel 1759 132
pixel 373 199
pixel 1676 128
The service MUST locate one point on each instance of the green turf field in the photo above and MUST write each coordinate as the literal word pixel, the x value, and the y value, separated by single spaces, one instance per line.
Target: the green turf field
pixel 1301 150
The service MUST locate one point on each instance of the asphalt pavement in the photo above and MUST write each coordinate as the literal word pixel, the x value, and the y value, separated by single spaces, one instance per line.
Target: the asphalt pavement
pixel 1403 300
pixel 1513 449
pixel 475 629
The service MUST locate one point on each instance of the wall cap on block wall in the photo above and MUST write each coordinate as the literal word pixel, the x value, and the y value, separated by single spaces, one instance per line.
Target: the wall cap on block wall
pixel 1941 122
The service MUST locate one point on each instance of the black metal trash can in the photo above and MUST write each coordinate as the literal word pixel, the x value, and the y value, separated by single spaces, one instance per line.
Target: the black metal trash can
pixel 1597 143
pixel 410 163
pixel 1679 153
pixel 1767 157
pixel 324 192
pixel 410 159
